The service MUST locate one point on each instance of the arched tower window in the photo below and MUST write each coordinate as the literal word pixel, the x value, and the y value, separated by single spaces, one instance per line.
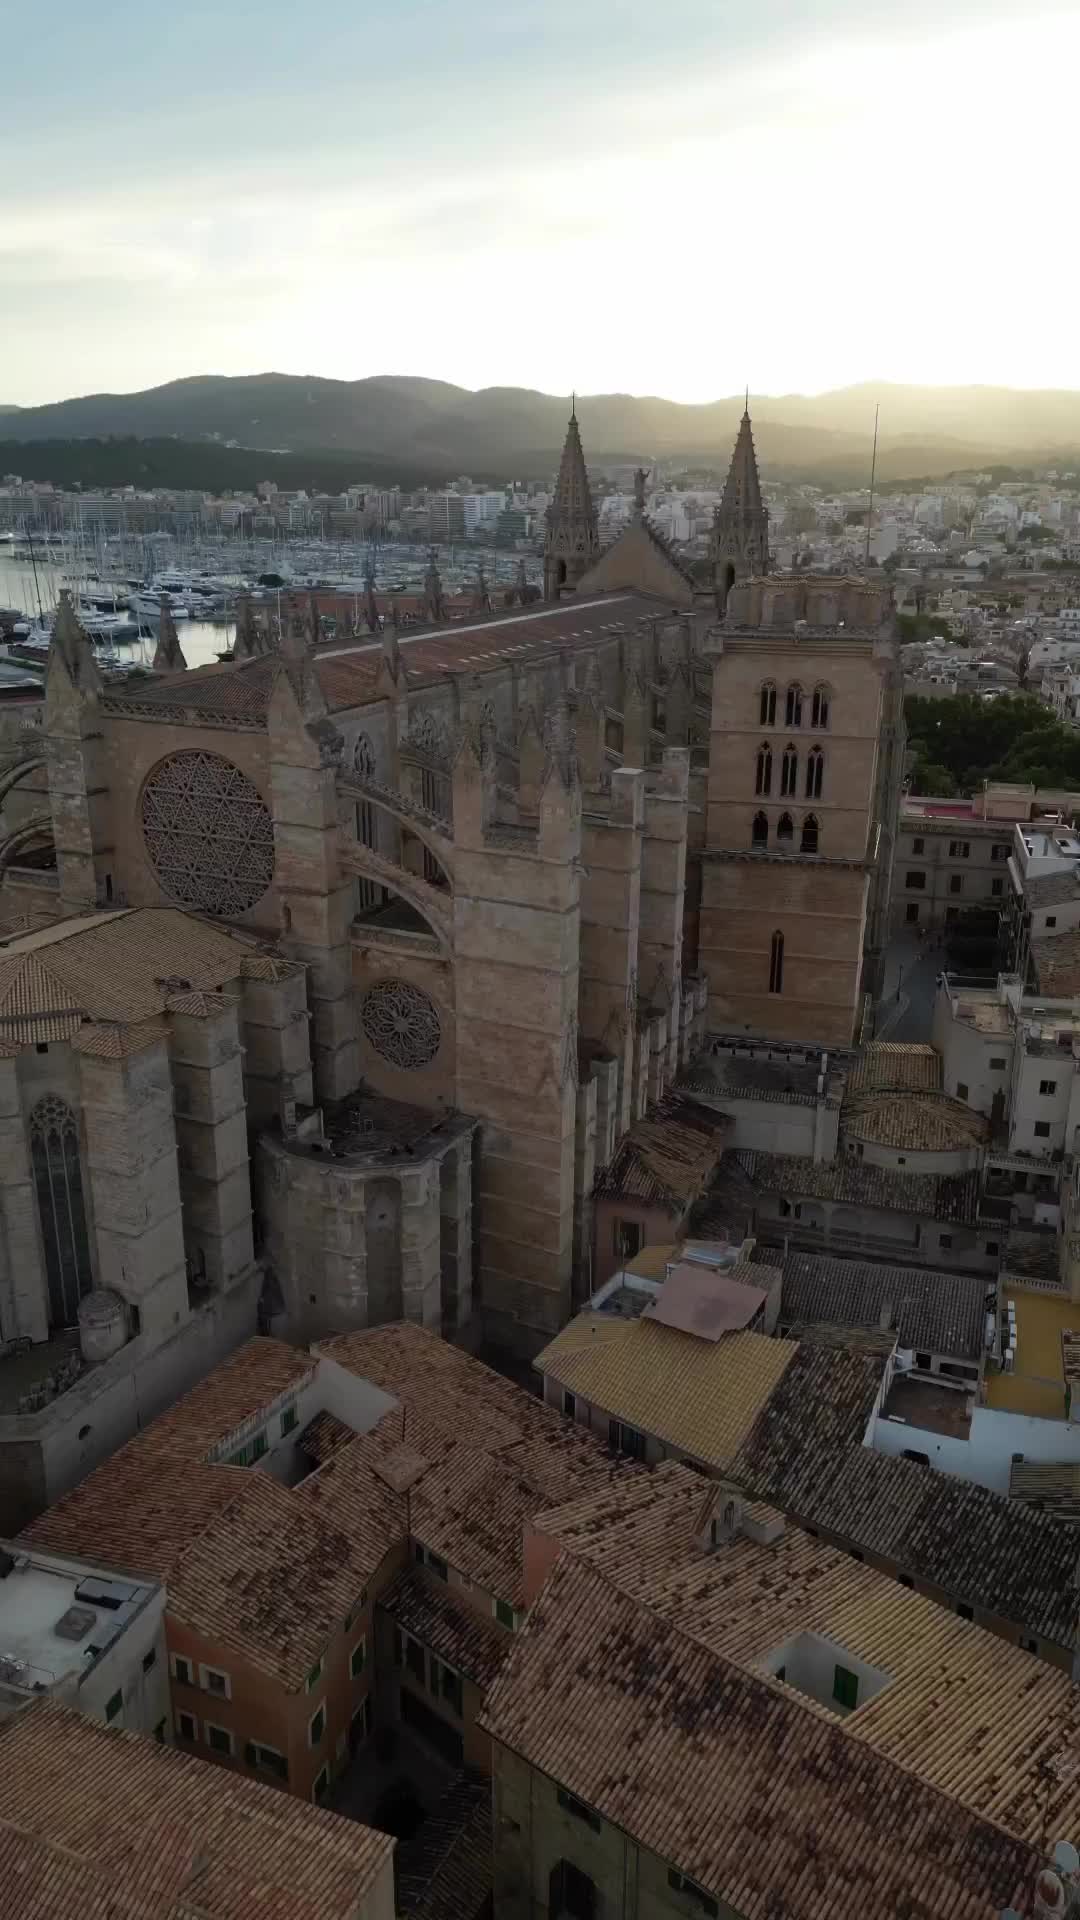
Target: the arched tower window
pixel 819 711
pixel 759 832
pixel 815 773
pixel 793 708
pixel 763 781
pixel 54 1156
pixel 789 771
pixel 785 828
pixel 776 963
pixel 809 842
pixel 768 705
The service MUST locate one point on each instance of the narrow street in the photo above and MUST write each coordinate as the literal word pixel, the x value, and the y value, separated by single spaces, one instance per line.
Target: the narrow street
pixel 912 966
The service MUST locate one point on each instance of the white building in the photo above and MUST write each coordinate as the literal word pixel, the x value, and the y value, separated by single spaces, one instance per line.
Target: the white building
pixel 92 1640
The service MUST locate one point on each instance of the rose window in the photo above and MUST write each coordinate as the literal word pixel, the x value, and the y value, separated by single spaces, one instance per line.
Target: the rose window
pixel 208 833
pixel 401 1024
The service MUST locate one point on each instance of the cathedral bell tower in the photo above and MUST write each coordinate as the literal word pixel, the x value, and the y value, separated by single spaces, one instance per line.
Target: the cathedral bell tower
pixel 739 548
pixel 571 537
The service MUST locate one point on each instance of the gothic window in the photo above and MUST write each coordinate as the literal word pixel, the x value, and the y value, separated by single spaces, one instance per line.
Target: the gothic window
pixel 815 773
pixel 368 892
pixel 820 709
pixel 208 833
pixel 401 1024
pixel 768 705
pixel 809 842
pixel 776 963
pixel 789 771
pixel 793 709
pixel 759 832
pixel 54 1156
pixel 363 758
pixel 763 783
pixel 785 828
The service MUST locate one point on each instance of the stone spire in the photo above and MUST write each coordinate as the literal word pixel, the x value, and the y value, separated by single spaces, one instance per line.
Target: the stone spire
pixel 571 538
pixel 70 652
pixel 739 547
pixel 168 654
pixel 371 604
pixel 250 640
pixel 434 597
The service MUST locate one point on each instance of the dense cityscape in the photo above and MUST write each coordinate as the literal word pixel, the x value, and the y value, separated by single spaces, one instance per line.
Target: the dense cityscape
pixel 540 962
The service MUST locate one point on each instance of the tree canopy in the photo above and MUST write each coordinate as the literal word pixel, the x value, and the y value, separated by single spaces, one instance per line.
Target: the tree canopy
pixel 958 743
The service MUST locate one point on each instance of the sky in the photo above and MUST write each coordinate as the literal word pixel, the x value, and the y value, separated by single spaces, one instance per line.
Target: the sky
pixel 601 194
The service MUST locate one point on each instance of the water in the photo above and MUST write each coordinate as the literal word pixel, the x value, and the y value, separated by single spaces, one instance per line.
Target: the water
pixel 202 640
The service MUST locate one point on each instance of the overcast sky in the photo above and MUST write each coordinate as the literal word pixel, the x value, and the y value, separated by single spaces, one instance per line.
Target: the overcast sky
pixel 551 193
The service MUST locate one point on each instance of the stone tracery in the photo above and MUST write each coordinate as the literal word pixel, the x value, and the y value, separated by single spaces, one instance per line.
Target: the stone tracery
pixel 208 833
pixel 401 1023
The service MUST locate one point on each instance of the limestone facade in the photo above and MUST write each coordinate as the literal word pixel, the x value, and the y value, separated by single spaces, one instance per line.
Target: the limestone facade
pixel 494 853
pixel 803 777
pixel 127 1263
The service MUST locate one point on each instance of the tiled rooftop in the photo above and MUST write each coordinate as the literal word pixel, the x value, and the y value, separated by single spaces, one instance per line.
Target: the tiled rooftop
pixel 976 1546
pixel 482 1456
pixel 944 1197
pixel 1056 960
pixel 732 1778
pixel 240 691
pixel 699 1396
pixel 453 1630
pixel 111 967
pixel 942 1312
pixel 914 1122
pixel 667 1156
pixel 892 1065
pixel 96 1822
pixel 1005 1714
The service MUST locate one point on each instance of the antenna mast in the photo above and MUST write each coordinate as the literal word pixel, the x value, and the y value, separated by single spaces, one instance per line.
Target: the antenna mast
pixel 870 509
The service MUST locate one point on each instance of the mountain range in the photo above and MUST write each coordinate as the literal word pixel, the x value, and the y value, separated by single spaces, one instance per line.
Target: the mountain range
pixel 511 432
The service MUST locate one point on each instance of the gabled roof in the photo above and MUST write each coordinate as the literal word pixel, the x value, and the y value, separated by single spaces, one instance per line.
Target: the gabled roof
pixel 933 1196
pixel 667 1156
pixel 941 1312
pixel 752 1791
pixel 102 1823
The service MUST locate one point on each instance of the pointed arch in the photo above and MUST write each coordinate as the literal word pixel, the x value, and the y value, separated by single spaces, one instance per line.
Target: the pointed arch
pixel 809 842
pixel 793 705
pixel 789 770
pixel 767 704
pixel 759 832
pixel 776 963
pixel 785 828
pixel 54 1158
pixel 815 773
pixel 819 708
pixel 763 777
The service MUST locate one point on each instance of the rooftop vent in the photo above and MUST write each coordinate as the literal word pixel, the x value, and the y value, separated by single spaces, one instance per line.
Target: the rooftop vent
pixel 76 1623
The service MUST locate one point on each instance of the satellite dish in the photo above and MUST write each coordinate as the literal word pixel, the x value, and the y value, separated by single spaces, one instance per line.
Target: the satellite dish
pixel 1066 1858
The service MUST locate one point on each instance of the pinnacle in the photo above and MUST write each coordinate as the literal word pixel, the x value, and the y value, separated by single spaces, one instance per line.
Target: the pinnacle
pixel 742 489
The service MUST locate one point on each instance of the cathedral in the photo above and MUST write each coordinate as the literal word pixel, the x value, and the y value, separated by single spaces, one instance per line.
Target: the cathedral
pixel 479 890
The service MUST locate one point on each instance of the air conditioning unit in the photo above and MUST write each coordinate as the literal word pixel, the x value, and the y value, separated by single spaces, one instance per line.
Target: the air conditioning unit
pixel 1007 1360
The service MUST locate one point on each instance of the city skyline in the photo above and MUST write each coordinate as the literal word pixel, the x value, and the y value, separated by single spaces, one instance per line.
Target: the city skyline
pixel 804 204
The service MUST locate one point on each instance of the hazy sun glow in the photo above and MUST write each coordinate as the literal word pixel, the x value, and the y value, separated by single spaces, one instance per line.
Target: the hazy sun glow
pixel 599 195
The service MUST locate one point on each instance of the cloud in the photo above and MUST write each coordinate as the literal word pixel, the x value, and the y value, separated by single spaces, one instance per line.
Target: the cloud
pixel 547 195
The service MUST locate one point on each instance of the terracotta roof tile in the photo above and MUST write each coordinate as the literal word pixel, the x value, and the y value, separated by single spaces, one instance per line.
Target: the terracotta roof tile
pixel 915 1122
pixel 667 1157
pixel 753 1792
pixel 748 1597
pixel 1056 960
pixel 889 1064
pixel 942 1312
pixel 451 1628
pixel 111 1826
pixel 699 1396
pixel 445 1872
pixel 114 967
pixel 935 1196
